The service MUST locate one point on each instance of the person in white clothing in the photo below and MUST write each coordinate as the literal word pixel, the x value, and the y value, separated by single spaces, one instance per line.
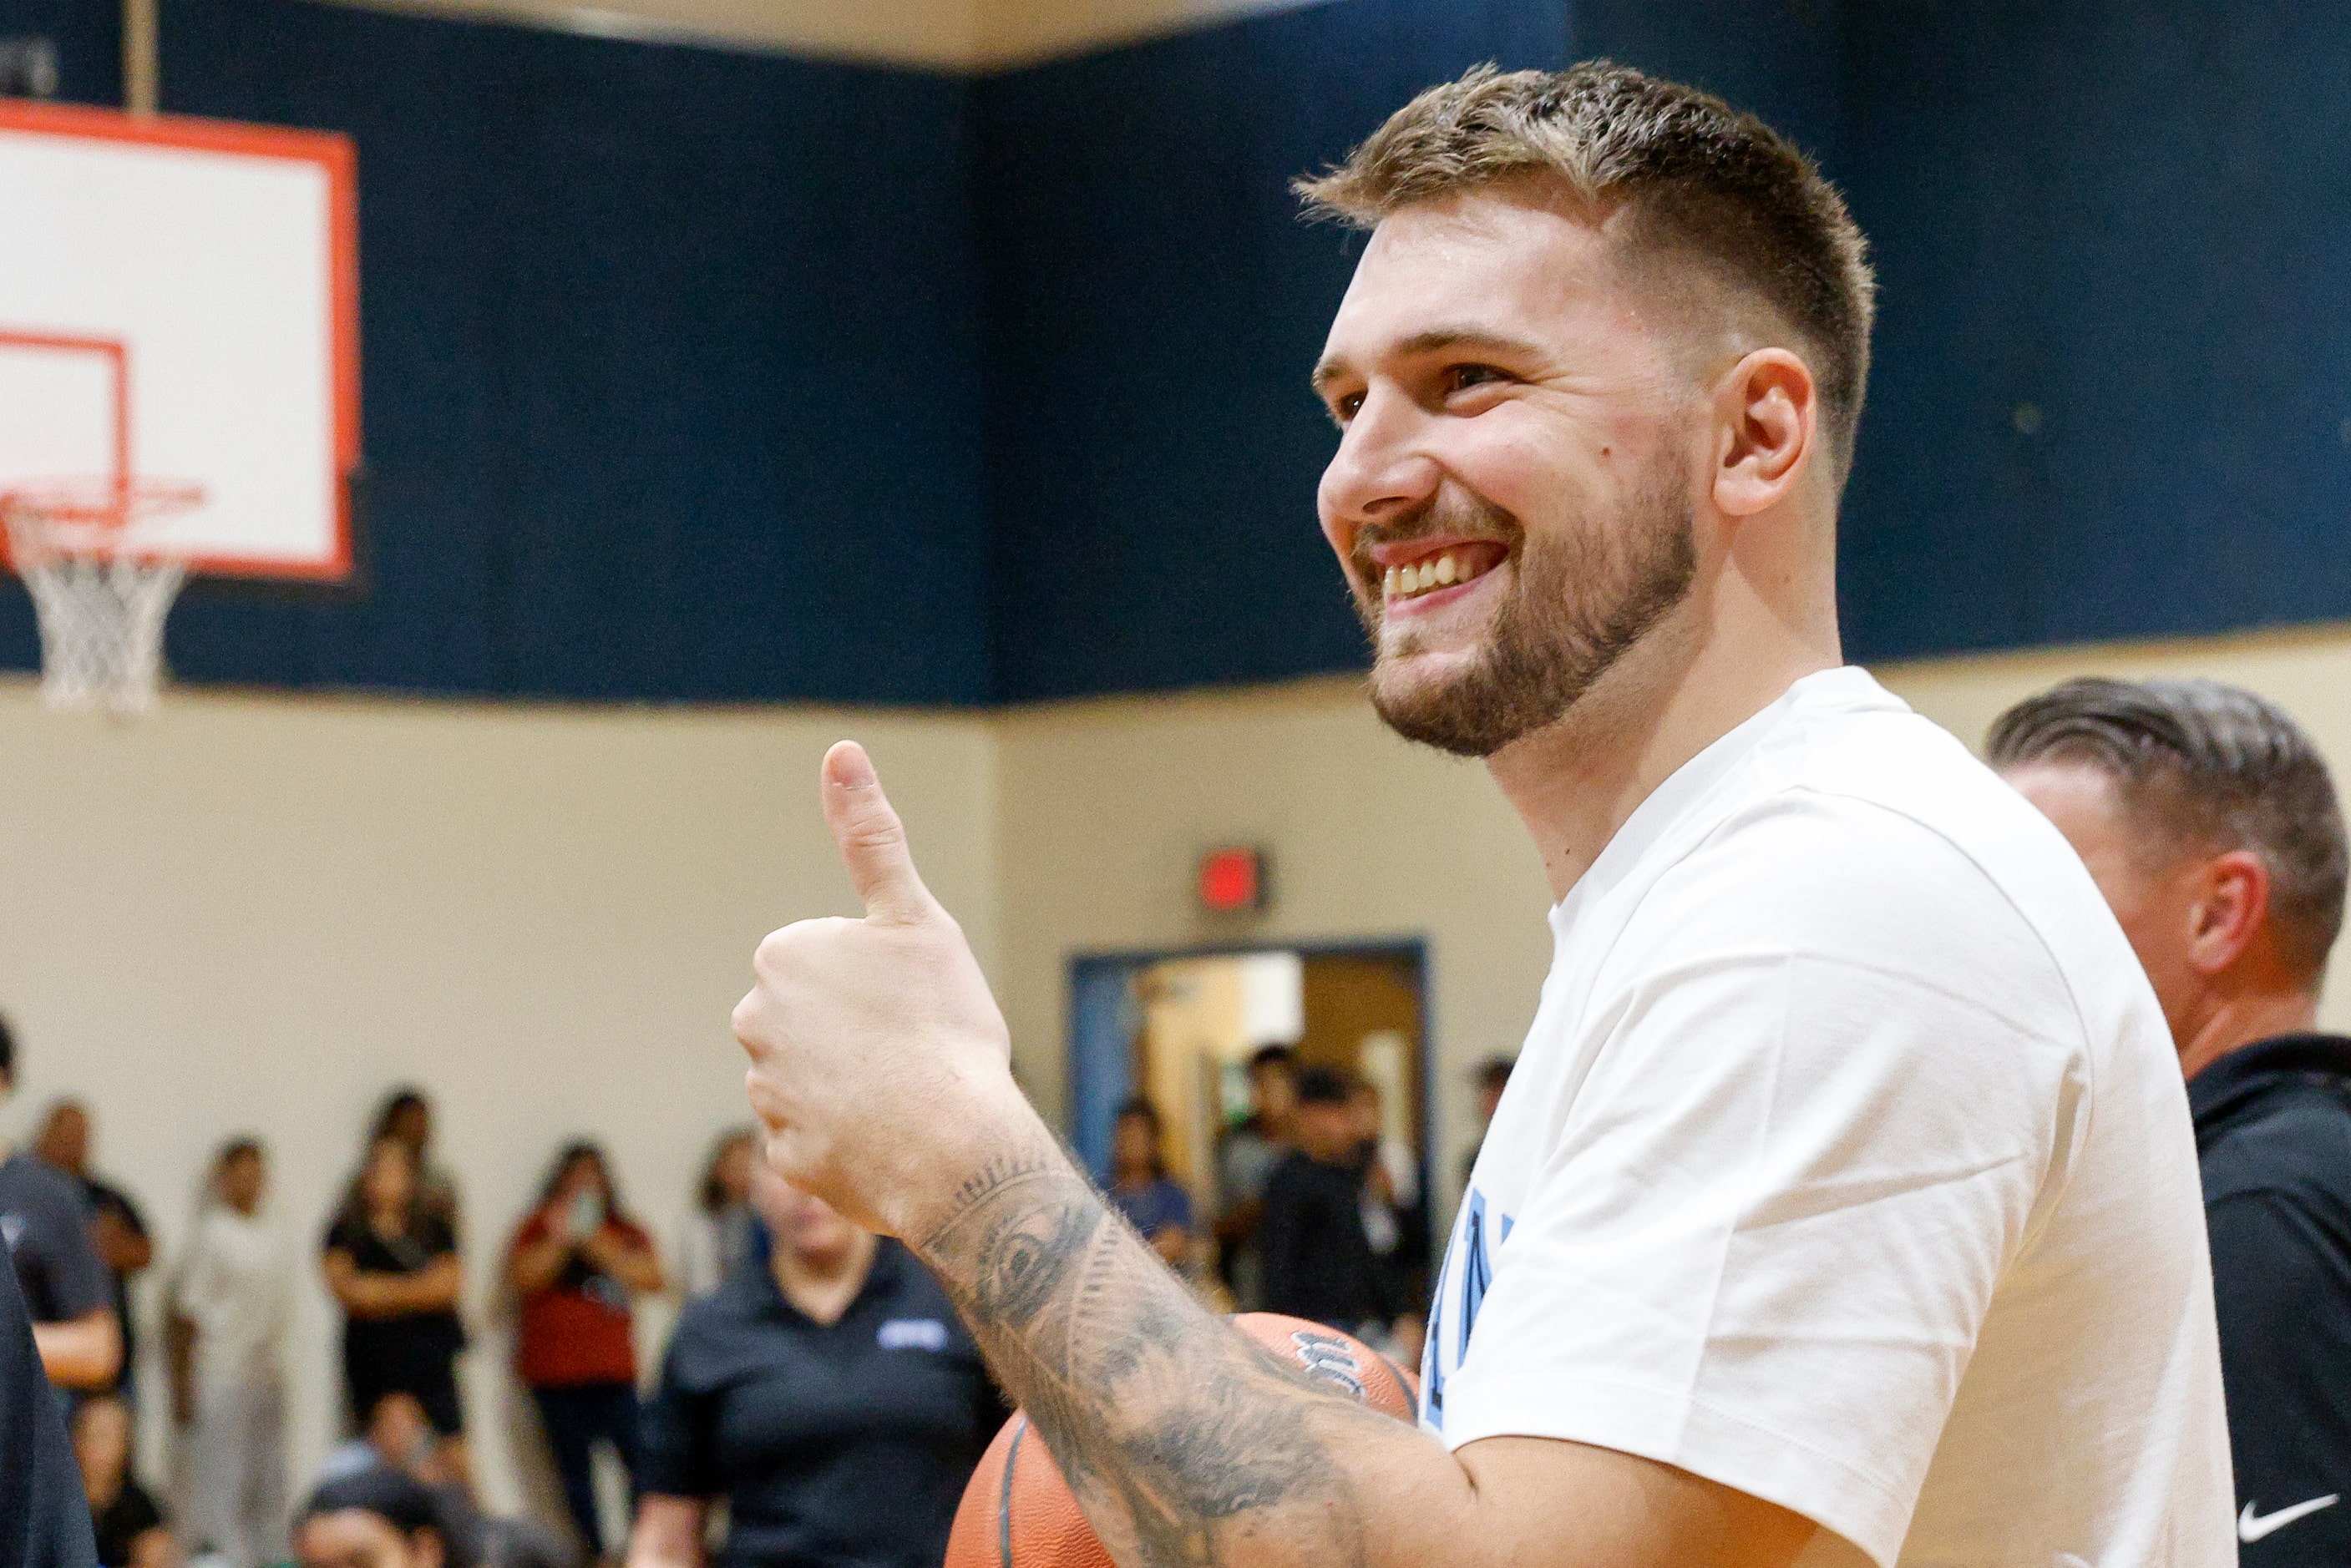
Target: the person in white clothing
pixel 1841 1208
pixel 229 1301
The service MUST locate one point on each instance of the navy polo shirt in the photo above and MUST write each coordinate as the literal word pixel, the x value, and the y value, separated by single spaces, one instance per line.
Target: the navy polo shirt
pixel 833 1444
pixel 2273 1135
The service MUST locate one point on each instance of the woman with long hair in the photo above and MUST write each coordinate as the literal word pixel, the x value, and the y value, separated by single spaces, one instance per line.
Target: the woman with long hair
pixel 1140 1189
pixel 721 1234
pixel 391 1259
pixel 230 1298
pixel 577 1264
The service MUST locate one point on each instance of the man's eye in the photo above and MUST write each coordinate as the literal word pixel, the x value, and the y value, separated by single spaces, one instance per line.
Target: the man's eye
pixel 1348 407
pixel 1462 378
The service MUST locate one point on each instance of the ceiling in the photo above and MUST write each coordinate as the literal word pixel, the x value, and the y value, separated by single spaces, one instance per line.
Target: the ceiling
pixel 950 34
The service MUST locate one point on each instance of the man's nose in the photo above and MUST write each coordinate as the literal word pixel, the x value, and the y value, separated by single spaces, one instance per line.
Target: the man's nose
pixel 1382 467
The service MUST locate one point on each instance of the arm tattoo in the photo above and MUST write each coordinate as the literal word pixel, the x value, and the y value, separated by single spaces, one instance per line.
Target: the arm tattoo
pixel 1188 1445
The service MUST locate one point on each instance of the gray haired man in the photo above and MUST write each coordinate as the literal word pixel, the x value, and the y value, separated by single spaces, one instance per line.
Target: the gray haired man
pixel 2208 821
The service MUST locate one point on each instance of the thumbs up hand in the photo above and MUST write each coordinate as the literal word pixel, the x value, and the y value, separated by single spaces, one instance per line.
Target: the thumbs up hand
pixel 880 1063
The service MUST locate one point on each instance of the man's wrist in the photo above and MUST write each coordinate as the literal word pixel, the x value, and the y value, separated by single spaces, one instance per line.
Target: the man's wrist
pixel 1002 1136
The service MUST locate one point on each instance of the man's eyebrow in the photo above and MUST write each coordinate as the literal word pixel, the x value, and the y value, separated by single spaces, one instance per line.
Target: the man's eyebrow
pixel 1435 340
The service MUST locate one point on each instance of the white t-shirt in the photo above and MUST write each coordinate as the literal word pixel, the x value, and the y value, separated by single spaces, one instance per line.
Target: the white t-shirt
pixel 234 1286
pixel 1848 1164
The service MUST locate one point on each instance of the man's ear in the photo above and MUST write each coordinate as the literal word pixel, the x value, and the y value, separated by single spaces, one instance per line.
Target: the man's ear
pixel 1767 414
pixel 2230 905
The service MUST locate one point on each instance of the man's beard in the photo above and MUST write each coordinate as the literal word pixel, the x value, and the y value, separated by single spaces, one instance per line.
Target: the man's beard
pixel 1580 599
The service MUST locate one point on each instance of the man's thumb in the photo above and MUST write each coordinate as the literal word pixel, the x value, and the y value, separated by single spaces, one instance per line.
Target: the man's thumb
pixel 872 840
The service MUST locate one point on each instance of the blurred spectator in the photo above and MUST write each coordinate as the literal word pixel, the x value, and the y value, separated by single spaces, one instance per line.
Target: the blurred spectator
pixel 129 1528
pixel 1319 1263
pixel 1245 1160
pixel 397 1435
pixel 375 1518
pixel 1393 1222
pixel 1159 1209
pixel 575 1264
pixel 1493 1077
pixel 117 1228
pixel 717 1237
pixel 830 1399
pixel 229 1303
pixel 391 1259
pixel 45 1222
pixel 401 1443
pixel 407 1116
pixel 44 1515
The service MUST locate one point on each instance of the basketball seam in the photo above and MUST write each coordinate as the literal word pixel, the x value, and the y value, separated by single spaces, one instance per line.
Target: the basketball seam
pixel 1003 1495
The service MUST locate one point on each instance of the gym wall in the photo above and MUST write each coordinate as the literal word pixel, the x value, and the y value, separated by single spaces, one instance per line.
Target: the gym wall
pixel 251 913
pixel 254 914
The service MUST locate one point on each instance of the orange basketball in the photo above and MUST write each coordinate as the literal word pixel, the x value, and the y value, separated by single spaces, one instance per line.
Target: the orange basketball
pixel 1017 1511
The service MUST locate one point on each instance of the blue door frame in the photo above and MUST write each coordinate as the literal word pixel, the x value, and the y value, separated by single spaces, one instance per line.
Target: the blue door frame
pixel 1105 1019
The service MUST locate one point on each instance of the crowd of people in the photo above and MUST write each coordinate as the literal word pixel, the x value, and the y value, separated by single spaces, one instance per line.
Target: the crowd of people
pixel 819 1393
pixel 785 1400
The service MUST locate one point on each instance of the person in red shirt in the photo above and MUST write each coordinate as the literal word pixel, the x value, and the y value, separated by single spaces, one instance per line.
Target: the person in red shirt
pixel 577 1264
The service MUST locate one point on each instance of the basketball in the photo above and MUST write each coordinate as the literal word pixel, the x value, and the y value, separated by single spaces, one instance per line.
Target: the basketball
pixel 1017 1511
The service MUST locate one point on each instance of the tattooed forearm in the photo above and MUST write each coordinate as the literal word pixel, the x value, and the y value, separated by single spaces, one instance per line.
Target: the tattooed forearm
pixel 1186 1443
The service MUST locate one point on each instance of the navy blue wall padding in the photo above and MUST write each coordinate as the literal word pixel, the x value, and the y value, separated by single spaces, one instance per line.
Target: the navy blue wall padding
pixel 1153 307
pixel 2137 220
pixel 670 361
pixel 702 375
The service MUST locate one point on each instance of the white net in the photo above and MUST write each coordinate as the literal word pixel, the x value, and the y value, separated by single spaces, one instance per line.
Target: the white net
pixel 100 596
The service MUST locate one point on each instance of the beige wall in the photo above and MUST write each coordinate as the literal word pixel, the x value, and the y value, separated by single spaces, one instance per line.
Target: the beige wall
pixel 251 913
pixel 256 912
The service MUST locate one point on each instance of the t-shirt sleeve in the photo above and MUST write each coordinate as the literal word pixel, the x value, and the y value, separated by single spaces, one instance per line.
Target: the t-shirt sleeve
pixel 1767 1223
pixel 677 1436
pixel 1177 1208
pixel 78 1281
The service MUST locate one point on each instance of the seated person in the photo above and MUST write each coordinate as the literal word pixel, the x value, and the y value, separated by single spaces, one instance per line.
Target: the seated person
pixel 400 1443
pixel 829 1399
pixel 374 1517
pixel 397 1435
pixel 129 1527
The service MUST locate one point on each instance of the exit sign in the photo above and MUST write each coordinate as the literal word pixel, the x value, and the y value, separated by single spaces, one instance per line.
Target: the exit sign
pixel 1232 880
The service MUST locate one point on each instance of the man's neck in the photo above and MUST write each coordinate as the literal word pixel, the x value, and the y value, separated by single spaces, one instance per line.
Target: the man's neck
pixel 1577 781
pixel 2240 1021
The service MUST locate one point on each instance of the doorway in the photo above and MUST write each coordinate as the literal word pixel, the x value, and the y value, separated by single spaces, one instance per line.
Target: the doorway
pixel 1179 1028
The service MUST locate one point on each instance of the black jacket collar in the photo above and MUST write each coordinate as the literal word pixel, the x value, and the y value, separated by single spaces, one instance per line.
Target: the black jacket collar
pixel 2245 1072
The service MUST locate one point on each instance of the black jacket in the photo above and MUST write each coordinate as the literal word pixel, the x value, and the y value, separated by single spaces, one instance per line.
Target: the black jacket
pixel 43 1520
pixel 2273 1135
pixel 1319 1264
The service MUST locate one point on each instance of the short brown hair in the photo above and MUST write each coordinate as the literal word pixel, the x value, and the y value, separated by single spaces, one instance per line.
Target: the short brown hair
pixel 2196 765
pixel 1706 178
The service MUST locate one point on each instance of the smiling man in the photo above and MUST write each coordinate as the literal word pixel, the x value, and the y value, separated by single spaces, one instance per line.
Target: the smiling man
pixel 1840 1207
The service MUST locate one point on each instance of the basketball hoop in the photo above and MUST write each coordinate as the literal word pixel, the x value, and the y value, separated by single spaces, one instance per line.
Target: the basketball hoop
pixel 100 587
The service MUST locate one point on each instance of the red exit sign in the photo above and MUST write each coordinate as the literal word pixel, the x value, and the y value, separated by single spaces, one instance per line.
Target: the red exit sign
pixel 1232 880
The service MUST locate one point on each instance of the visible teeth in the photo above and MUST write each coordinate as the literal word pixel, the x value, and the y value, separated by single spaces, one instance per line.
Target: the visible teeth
pixel 1392 584
pixel 1427 577
pixel 1445 570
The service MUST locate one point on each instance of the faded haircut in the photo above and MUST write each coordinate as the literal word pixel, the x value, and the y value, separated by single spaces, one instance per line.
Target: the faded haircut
pixel 2203 767
pixel 1701 180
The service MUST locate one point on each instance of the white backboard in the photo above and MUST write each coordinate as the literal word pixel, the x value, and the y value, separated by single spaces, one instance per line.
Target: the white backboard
pixel 178 302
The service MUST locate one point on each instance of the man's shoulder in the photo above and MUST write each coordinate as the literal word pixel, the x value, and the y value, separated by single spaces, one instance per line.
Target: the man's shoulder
pixel 28 1185
pixel 2295 1142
